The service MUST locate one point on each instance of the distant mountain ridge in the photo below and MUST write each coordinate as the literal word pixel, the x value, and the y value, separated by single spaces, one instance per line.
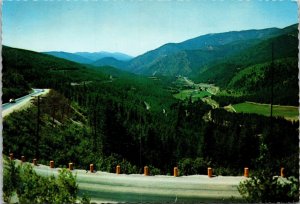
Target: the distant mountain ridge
pixel 89 57
pixel 94 56
pixel 69 56
pixel 110 61
pixel 190 56
pixel 284 45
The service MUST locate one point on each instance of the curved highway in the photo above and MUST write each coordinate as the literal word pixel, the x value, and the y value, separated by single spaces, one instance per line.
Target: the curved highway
pixel 105 187
pixel 8 108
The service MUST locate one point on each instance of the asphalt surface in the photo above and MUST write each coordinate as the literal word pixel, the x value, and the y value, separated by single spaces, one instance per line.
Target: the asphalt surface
pixel 105 187
pixel 8 108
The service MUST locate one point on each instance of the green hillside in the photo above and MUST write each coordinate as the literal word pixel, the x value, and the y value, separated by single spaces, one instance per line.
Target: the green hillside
pixel 23 69
pixel 179 58
pixel 256 81
pixel 248 76
pixel 221 73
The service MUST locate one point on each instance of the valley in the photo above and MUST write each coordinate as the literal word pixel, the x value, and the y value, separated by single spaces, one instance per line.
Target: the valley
pixel 196 104
pixel 186 88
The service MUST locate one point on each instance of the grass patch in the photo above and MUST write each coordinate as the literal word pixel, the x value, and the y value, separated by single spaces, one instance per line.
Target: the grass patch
pixel 288 112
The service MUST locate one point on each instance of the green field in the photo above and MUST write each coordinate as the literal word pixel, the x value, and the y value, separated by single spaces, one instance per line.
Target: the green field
pixel 288 112
pixel 196 94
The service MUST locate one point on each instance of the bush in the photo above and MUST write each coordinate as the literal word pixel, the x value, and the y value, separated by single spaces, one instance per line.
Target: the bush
pixel 189 166
pixel 154 171
pixel 33 188
pixel 10 179
pixel 109 164
pixel 270 189
pixel 223 171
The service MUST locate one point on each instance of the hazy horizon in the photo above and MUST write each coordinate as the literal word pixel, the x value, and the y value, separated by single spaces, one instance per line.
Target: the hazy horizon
pixel 134 27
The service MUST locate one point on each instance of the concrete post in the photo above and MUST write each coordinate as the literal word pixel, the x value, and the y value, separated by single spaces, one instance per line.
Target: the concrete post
pixel 51 164
pixel 209 172
pixel 246 172
pixel 91 168
pixel 282 172
pixel 70 166
pixel 146 171
pixel 34 161
pixel 175 172
pixel 118 169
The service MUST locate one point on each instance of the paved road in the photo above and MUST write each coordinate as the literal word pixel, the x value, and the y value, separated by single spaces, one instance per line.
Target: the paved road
pixel 8 108
pixel 109 187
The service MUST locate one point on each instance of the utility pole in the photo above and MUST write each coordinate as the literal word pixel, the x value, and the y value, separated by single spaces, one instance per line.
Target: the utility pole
pixel 272 79
pixel 272 84
pixel 37 129
pixel 140 143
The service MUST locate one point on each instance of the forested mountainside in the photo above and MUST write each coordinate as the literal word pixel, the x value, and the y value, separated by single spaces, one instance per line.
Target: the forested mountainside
pixel 109 117
pixel 164 60
pixel 189 58
pixel 249 73
pixel 284 46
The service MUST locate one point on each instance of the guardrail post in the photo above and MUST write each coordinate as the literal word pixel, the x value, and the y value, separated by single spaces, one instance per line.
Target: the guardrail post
pixel 118 169
pixel 34 162
pixel 246 172
pixel 70 166
pixel 51 164
pixel 175 172
pixel 91 168
pixel 282 172
pixel 146 171
pixel 209 172
pixel 11 156
pixel 22 159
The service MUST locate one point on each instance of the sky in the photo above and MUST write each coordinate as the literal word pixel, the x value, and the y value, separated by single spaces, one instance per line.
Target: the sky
pixel 132 26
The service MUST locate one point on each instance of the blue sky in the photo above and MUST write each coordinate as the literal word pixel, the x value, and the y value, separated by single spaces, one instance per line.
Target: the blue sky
pixel 132 27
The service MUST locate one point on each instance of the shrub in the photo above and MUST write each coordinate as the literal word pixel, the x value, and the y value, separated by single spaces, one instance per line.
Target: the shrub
pixel 33 188
pixel 223 171
pixel 189 166
pixel 10 179
pixel 154 171
pixel 270 189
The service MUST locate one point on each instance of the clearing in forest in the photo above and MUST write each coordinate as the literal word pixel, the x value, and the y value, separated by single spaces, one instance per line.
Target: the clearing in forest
pixel 288 112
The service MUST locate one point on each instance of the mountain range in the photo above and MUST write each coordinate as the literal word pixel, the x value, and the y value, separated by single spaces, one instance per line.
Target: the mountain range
pixel 189 58
pixel 243 65
pixel 89 57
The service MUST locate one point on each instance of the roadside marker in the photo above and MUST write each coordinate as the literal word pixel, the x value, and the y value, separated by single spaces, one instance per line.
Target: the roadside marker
pixel 51 164
pixel 246 172
pixel 175 172
pixel 11 156
pixel 146 171
pixel 118 169
pixel 70 166
pixel 209 172
pixel 282 172
pixel 91 168
pixel 22 159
